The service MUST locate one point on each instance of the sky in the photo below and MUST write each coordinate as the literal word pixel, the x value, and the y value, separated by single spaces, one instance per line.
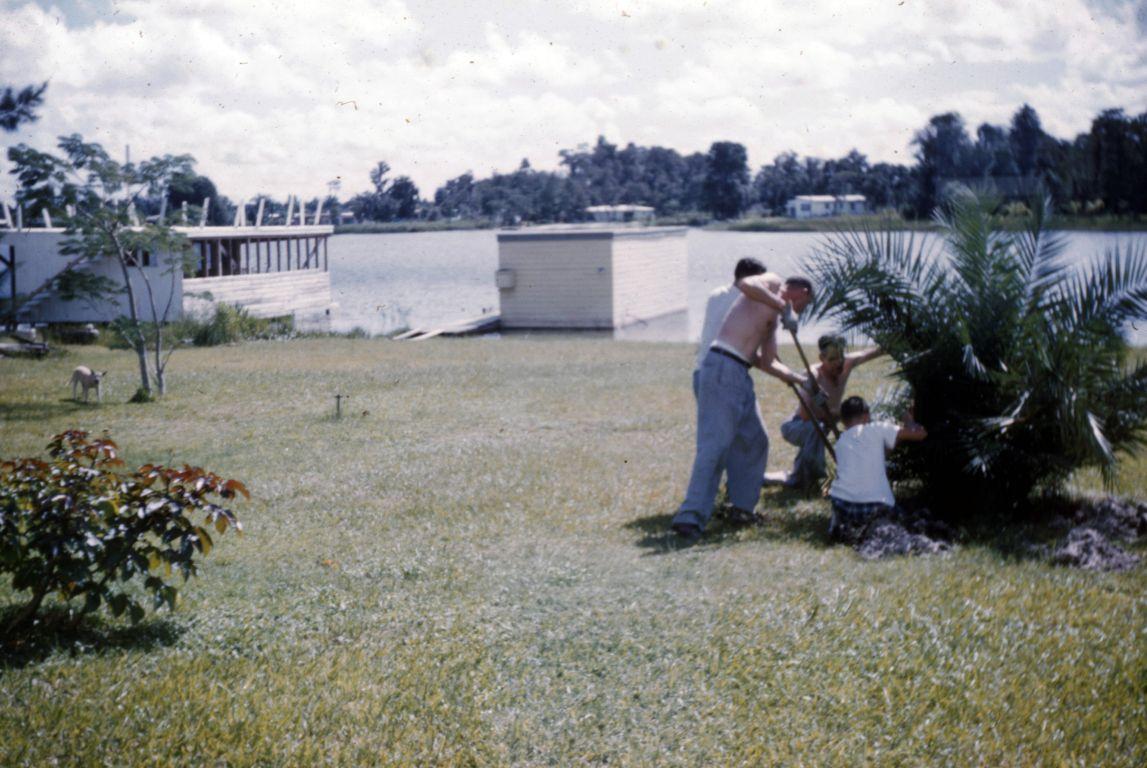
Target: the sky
pixel 282 97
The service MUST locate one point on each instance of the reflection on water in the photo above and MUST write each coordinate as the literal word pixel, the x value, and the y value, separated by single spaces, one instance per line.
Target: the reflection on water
pixel 434 279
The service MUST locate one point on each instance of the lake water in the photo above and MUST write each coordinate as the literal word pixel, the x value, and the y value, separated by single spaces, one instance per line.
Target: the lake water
pixel 423 280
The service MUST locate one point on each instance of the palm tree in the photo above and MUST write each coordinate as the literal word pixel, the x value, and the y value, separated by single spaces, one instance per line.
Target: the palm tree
pixel 1017 360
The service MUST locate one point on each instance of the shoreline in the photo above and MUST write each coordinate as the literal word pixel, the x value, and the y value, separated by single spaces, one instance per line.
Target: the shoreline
pixel 768 224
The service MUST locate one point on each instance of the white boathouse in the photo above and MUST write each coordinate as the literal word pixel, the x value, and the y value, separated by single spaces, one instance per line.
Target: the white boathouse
pixel 270 271
pixel 590 276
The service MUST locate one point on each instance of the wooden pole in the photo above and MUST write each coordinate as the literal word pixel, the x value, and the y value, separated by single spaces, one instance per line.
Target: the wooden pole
pixel 815 420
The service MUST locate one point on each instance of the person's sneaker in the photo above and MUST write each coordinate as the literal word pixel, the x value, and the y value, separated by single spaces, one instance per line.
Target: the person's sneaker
pixel 775 478
pixel 687 533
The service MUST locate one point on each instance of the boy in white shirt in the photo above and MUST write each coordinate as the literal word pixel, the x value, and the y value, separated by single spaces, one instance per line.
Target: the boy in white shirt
pixel 861 491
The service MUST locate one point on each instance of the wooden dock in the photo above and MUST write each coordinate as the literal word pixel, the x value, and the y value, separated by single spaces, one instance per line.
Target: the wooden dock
pixel 471 327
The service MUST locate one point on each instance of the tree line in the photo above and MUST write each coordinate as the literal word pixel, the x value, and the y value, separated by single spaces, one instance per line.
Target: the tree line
pixel 1100 171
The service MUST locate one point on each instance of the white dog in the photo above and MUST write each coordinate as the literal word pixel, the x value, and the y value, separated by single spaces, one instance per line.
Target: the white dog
pixel 88 379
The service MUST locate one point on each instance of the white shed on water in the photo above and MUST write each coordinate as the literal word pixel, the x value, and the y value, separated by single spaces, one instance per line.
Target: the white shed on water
pixel 590 277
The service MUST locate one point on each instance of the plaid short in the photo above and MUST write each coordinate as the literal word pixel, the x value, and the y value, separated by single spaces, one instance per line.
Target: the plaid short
pixel 850 518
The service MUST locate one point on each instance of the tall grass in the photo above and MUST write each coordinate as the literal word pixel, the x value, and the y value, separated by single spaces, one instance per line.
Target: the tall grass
pixel 470 568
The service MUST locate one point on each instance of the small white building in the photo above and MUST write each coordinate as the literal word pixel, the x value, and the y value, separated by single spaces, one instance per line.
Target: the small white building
pixel 590 277
pixel 271 271
pixel 818 206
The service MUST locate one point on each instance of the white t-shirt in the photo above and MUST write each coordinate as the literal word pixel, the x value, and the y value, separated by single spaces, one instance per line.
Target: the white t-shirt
pixel 861 475
pixel 716 307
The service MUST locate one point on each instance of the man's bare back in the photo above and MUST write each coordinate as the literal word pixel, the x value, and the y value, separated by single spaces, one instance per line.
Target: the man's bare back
pixel 750 325
pixel 750 328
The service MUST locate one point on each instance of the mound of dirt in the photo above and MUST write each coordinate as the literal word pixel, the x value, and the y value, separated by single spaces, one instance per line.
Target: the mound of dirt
pixel 1114 518
pixel 1089 549
pixel 885 538
pixel 898 532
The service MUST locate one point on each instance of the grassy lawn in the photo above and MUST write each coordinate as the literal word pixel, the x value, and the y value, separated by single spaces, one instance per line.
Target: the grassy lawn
pixel 470 568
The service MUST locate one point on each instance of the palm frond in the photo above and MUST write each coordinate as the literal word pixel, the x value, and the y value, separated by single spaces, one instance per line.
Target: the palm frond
pixel 886 285
pixel 1039 250
pixel 972 365
pixel 1100 439
pixel 1105 296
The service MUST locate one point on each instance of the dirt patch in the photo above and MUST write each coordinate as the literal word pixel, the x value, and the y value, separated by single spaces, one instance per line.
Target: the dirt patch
pixel 1089 549
pixel 1114 518
pixel 1093 525
pixel 894 533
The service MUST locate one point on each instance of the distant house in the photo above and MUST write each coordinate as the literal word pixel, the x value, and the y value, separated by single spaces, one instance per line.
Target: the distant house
pixel 620 214
pixel 817 206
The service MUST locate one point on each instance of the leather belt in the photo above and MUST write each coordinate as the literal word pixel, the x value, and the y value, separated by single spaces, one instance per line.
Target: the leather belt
pixel 731 356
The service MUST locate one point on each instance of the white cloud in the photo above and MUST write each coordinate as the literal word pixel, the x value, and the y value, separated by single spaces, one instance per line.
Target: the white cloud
pixel 280 95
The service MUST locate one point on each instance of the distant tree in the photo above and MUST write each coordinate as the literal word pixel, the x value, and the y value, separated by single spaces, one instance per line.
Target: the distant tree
pixel 455 198
pixel 887 185
pixel 391 199
pixel 403 195
pixel 18 107
pixel 776 184
pixel 815 176
pixel 725 189
pixel 1026 138
pixel 1119 160
pixel 1075 172
pixel 992 153
pixel 843 176
pixel 378 176
pixel 942 152
pixel 377 205
pixel 193 189
pixel 663 176
pixel 604 185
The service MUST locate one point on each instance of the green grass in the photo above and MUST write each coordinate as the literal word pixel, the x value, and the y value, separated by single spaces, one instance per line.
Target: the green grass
pixel 471 568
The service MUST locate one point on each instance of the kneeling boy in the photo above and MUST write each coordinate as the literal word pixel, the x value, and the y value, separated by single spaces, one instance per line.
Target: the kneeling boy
pixel 861 491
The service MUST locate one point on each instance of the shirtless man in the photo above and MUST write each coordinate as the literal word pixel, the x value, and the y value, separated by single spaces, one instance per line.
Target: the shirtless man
pixel 831 374
pixel 730 434
pixel 717 306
